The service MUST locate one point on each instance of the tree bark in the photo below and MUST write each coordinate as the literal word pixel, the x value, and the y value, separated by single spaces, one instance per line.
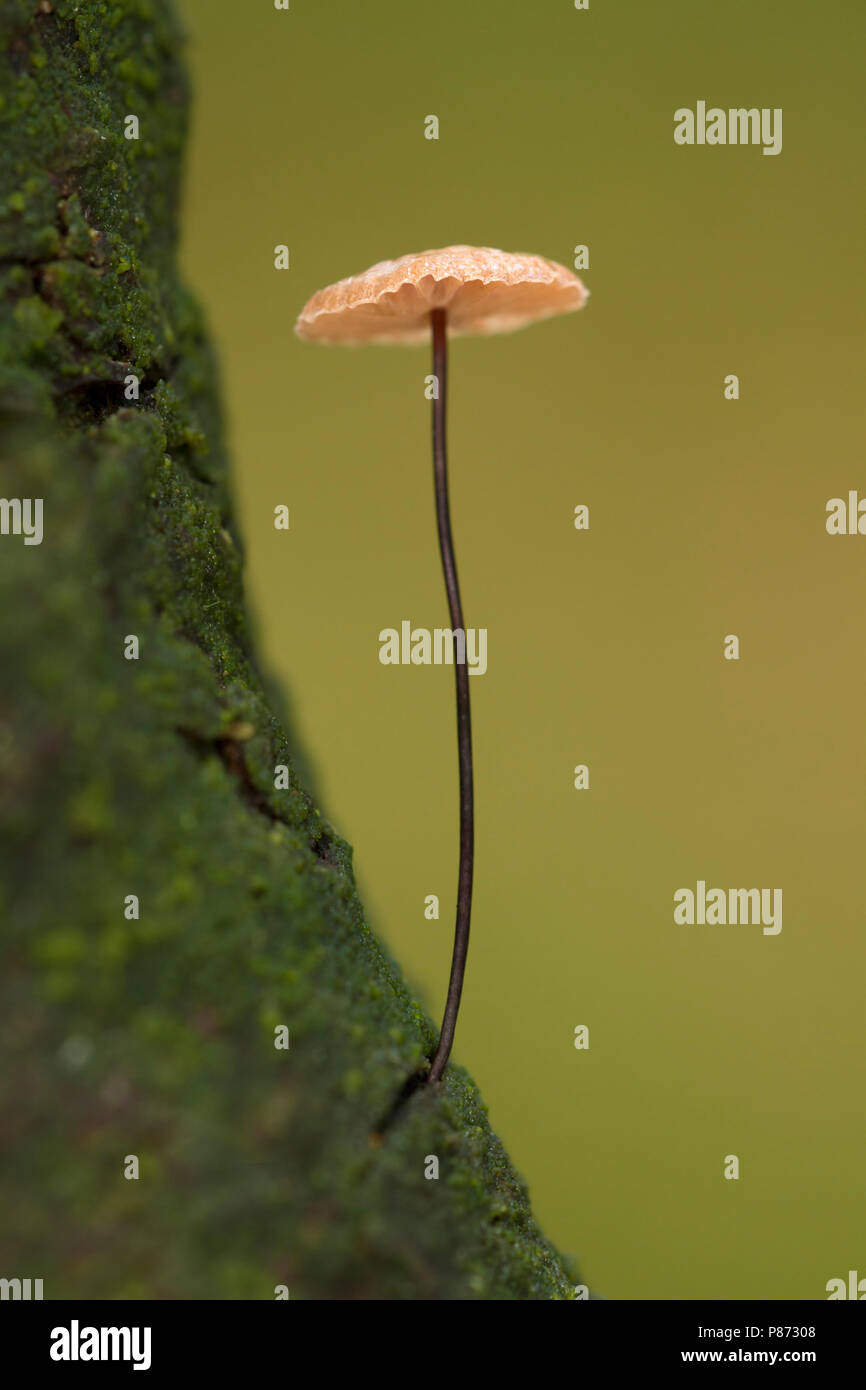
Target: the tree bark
pixel 151 1037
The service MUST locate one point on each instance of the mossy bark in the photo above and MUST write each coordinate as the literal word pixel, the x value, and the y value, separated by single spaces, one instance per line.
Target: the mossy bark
pixel 154 1036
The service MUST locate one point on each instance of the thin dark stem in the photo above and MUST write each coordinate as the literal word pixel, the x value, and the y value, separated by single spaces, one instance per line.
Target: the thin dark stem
pixel 464 726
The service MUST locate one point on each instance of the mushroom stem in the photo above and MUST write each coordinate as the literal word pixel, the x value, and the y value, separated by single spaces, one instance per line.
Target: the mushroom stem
pixel 464 726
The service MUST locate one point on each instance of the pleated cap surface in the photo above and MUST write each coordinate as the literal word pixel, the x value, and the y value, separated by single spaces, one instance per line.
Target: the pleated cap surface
pixel 482 289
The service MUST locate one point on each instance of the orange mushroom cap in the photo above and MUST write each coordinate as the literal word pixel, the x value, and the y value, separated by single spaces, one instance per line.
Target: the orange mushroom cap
pixel 483 291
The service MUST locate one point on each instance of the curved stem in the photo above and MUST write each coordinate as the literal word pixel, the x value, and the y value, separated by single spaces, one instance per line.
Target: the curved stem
pixel 464 726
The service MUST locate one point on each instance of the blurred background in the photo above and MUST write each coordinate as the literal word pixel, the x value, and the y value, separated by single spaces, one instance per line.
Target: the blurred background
pixel 707 517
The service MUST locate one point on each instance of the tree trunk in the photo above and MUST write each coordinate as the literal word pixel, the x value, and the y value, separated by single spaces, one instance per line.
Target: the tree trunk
pixel 167 910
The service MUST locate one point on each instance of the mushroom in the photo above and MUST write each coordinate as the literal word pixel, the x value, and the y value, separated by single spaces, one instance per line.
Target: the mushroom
pixel 456 290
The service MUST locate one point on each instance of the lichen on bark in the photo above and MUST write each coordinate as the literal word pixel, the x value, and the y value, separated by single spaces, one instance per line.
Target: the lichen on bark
pixel 154 777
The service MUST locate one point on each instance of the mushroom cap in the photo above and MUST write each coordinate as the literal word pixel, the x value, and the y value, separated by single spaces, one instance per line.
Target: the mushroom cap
pixel 483 290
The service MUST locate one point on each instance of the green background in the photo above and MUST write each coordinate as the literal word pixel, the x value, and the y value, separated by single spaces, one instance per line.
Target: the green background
pixel 706 518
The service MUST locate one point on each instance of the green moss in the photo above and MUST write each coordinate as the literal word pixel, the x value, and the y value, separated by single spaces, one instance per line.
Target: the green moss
pixel 37 323
pixel 155 778
pixel 79 234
